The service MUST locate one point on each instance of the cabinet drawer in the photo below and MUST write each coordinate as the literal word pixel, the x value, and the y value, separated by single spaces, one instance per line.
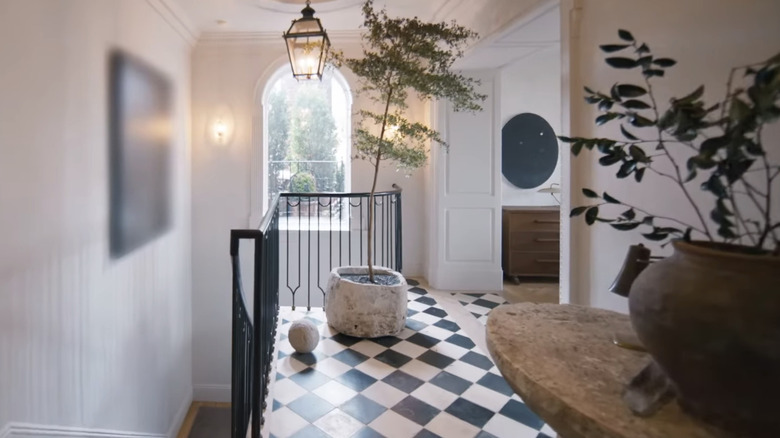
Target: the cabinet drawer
pixel 534 221
pixel 528 263
pixel 534 241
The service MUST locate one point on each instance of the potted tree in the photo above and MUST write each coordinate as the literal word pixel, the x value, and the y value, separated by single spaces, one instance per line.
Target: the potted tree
pixel 400 56
pixel 709 315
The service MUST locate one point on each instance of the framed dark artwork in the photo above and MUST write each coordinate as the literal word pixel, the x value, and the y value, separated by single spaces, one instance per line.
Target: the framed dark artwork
pixel 529 151
pixel 140 148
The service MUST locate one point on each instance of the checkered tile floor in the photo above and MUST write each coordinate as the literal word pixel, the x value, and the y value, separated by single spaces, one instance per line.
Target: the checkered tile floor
pixel 429 381
pixel 480 304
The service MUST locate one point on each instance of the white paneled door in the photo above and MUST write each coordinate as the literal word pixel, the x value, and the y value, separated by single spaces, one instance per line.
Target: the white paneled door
pixel 464 196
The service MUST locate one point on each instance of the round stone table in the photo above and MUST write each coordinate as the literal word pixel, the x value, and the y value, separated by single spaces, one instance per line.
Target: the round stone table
pixel 561 361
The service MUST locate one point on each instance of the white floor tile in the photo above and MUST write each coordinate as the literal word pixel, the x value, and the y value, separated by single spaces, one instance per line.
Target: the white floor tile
pixel 504 427
pixel 436 332
pixel 434 396
pixel 331 367
pixel 329 347
pixel 409 349
pixel 465 298
pixel 547 430
pixel 369 348
pixel 284 346
pixel 285 422
pixel 449 426
pixel 289 366
pixel 335 393
pixel 405 333
pixel 376 369
pixel 336 423
pixel 414 305
pixel 449 350
pixel 421 370
pixel 465 371
pixel 393 425
pixel 384 394
pixel 485 397
pixel 286 391
pixel 426 318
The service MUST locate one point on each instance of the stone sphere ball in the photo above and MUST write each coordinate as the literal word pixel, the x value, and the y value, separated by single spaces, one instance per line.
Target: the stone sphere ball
pixel 303 336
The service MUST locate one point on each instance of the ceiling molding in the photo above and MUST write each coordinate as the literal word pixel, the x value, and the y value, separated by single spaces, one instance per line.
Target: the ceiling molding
pixel 319 6
pixel 251 38
pixel 174 15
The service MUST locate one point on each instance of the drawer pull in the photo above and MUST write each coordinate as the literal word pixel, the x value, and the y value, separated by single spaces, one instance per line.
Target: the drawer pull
pixel 547 261
pixel 542 240
pixel 547 221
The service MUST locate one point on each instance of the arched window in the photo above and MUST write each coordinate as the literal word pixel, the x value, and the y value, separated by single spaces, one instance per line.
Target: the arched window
pixel 307 134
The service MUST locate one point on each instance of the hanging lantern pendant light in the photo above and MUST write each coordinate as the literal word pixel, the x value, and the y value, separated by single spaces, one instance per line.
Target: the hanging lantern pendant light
pixel 307 45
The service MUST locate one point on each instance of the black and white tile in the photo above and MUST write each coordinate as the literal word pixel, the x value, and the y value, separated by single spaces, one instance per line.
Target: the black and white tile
pixel 431 380
pixel 479 304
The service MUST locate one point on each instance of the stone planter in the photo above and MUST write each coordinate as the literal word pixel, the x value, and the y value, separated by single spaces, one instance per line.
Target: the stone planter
pixel 710 317
pixel 365 310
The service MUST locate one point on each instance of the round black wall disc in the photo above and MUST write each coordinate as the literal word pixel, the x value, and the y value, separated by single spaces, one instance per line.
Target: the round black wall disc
pixel 529 151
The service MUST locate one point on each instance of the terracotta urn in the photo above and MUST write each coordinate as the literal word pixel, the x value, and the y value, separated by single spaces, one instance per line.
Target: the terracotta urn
pixel 710 317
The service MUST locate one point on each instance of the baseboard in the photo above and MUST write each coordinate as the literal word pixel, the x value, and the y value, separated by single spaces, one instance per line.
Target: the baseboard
pixel 26 430
pixel 18 430
pixel 178 420
pixel 212 393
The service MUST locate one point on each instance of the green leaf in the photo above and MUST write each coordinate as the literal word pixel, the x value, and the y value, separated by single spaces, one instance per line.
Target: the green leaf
pixel 629 214
pixel 645 61
pixel 625 35
pixel 691 175
pixel 664 62
pixel 635 104
pixel 643 49
pixel 628 90
pixel 627 134
pixel 577 211
pixel 711 146
pixel 576 148
pixel 590 193
pixel 609 48
pixel 653 72
pixel 626 169
pixel 614 93
pixel 604 118
pixel 610 199
pixel 639 174
pixel 655 236
pixel 565 139
pixel 648 220
pixel 588 90
pixel 591 214
pixel 608 160
pixel 739 110
pixel 639 121
pixel 618 62
pixel 698 93
pixel 605 105
pixel 638 154
pixel 625 226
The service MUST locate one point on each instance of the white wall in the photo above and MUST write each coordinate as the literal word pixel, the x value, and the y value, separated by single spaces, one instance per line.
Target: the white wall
pixel 86 343
pixel 232 72
pixel 707 38
pixel 533 85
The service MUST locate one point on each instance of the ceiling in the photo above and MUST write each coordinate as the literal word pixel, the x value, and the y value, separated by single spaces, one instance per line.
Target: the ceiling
pixel 276 15
pixel 536 26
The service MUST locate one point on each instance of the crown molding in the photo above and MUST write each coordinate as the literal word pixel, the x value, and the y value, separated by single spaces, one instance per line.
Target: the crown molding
pixel 254 38
pixel 175 16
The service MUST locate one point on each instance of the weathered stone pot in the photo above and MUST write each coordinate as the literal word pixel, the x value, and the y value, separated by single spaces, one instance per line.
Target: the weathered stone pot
pixel 710 317
pixel 365 310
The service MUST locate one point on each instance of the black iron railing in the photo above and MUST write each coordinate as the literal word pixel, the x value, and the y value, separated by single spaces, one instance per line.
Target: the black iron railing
pixel 300 239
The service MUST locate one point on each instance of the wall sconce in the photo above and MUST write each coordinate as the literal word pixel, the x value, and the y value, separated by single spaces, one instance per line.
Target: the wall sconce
pixel 220 126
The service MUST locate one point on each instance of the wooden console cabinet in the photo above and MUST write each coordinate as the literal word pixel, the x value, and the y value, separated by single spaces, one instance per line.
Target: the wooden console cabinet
pixel 530 241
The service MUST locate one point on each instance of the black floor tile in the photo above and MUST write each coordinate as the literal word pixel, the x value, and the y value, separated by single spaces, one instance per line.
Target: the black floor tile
pixel 403 381
pixel 477 360
pixel 367 432
pixel 451 382
pixel 411 312
pixel 309 358
pixel 310 407
pixel 496 383
pixel 363 409
pixel 522 414
pixel 310 431
pixel 435 311
pixel 461 341
pixel 416 410
pixel 388 341
pixel 411 282
pixel 436 359
pixel 345 340
pixel 470 412
pixel 485 303
pixel 422 340
pixel 448 325
pixel 356 379
pixel 415 325
pixel 425 433
pixel 393 358
pixel 426 300
pixel 350 357
pixel 418 290
pixel 483 434
pixel 310 379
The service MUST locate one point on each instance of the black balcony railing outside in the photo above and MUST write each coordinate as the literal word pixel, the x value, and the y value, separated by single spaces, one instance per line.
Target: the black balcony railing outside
pixel 320 231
